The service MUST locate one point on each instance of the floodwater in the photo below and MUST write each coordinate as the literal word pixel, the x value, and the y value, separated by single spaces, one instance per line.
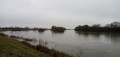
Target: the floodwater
pixel 77 44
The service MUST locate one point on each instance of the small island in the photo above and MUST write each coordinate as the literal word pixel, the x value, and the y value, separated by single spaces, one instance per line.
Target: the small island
pixel 58 29
pixel 41 29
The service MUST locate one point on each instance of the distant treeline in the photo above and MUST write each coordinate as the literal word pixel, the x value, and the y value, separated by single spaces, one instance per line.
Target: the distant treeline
pixel 14 28
pixel 53 28
pixel 21 28
pixel 113 27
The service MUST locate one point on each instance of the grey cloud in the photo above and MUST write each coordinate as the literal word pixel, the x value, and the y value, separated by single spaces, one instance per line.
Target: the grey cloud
pixel 68 13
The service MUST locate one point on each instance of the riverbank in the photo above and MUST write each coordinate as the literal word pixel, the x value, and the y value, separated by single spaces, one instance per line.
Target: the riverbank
pixel 10 47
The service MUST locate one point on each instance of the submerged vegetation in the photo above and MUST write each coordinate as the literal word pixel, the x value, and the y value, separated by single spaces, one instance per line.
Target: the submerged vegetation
pixel 113 27
pixel 51 51
pixel 13 48
pixel 24 39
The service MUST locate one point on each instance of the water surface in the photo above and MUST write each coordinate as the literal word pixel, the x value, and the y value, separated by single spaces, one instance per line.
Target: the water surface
pixel 78 44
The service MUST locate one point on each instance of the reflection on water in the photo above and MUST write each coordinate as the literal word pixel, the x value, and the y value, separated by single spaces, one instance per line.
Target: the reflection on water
pixel 78 44
pixel 41 31
pixel 114 37
pixel 56 32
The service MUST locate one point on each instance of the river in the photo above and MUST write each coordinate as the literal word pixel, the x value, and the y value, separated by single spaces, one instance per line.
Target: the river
pixel 78 44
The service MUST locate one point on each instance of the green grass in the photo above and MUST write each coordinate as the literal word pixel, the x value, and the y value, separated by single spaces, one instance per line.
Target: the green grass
pixel 12 48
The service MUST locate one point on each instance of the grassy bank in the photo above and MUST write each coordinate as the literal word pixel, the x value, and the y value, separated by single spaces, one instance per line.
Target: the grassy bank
pixel 13 48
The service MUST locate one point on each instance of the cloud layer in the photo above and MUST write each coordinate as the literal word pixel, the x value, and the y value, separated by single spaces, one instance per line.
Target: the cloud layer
pixel 67 13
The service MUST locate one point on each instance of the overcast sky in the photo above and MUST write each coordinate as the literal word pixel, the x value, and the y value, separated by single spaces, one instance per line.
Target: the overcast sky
pixel 66 13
